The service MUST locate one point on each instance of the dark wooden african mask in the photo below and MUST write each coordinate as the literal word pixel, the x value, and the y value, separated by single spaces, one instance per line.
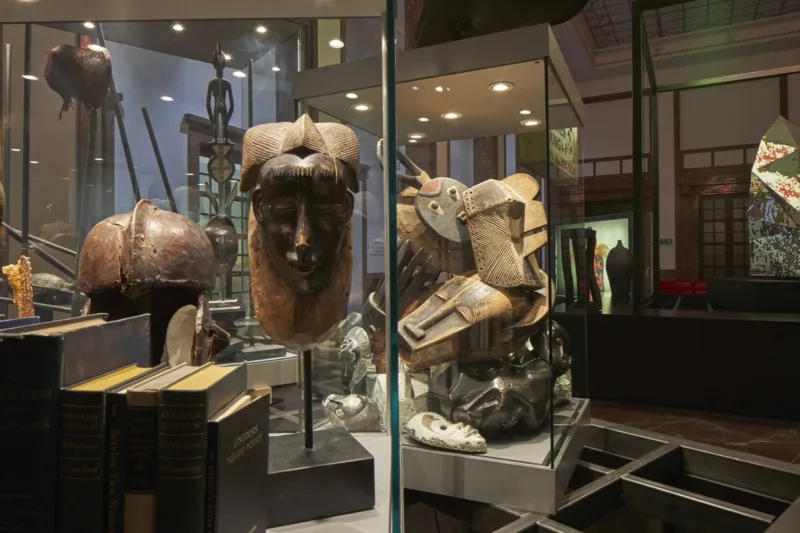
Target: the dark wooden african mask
pixel 303 176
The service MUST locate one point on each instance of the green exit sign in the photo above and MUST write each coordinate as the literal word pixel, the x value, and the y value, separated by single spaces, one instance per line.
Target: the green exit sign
pixel 665 241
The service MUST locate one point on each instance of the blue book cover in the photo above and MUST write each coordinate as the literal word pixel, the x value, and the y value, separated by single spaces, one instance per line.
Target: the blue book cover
pixel 18 322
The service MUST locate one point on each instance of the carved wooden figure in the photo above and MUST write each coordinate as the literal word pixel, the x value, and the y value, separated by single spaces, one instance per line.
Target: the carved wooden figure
pixel 481 316
pixel 303 176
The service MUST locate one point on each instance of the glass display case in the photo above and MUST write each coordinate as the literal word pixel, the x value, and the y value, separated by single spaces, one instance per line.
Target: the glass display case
pixel 157 160
pixel 489 132
pixel 714 247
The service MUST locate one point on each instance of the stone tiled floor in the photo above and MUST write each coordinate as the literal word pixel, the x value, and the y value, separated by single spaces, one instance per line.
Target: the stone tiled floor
pixel 775 439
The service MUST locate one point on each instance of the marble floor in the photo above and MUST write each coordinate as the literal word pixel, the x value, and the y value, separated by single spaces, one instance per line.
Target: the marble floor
pixel 776 439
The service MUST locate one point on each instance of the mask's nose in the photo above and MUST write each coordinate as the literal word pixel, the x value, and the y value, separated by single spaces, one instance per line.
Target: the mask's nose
pixel 302 235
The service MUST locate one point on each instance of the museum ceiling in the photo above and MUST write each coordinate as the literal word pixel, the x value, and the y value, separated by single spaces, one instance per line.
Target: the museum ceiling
pixel 197 40
pixel 610 24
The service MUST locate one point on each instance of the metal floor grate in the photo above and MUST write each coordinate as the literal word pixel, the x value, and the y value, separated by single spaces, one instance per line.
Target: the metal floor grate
pixel 680 483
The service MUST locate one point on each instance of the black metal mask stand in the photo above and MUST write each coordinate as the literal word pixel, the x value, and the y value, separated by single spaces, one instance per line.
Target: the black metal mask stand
pixel 308 410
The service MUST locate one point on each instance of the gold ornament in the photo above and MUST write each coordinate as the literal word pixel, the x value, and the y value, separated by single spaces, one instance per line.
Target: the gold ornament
pixel 21 282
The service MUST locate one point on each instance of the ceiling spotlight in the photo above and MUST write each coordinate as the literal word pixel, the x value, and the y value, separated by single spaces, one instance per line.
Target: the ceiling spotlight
pixel 98 158
pixel 501 86
pixel 261 29
pixel 424 119
pixel 190 173
pixel 412 140
pixel 441 89
pixel 239 74
pixel 351 96
pixel 451 115
pixel 532 122
pixel 525 112
pixel 30 77
pixel 362 107
pixel 336 43
pixel 88 25
pixel 178 27
pixel 416 136
pixel 168 98
pixel 276 69
pixel 15 149
pixel 34 162
pixel 415 88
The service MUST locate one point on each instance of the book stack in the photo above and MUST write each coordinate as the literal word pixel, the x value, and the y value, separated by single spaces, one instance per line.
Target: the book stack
pixel 93 441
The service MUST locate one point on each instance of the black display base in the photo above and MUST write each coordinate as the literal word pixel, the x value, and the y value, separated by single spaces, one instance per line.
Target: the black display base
pixel 337 477
pixel 754 295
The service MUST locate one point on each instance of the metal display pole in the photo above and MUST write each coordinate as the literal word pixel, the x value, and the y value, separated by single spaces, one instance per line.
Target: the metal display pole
pixel 17 236
pixel 39 240
pixel 250 71
pixel 159 160
pixel 84 201
pixel 308 418
pixel 123 134
pixel 26 144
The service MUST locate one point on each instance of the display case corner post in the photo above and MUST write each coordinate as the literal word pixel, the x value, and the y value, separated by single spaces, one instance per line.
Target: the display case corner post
pixel 6 147
pixel 389 58
pixel 638 154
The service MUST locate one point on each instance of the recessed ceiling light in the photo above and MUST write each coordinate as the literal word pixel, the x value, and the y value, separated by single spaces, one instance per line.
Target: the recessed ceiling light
pixel 276 69
pixel 30 77
pixel 351 96
pixel 362 107
pixel 98 158
pixel 525 112
pixel 415 88
pixel 416 135
pixel 451 115
pixel 34 162
pixel 261 29
pixel 239 74
pixel 441 89
pixel 88 25
pixel 412 140
pixel 336 43
pixel 15 149
pixel 228 57
pixel 178 27
pixel 168 98
pixel 501 86
pixel 424 119
pixel 531 122
pixel 96 48
pixel 190 174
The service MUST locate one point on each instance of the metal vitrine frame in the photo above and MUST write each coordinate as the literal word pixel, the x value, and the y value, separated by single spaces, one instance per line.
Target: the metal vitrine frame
pixel 732 492
pixel 48 11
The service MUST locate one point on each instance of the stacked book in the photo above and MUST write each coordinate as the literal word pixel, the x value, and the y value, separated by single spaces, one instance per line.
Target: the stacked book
pixel 93 441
